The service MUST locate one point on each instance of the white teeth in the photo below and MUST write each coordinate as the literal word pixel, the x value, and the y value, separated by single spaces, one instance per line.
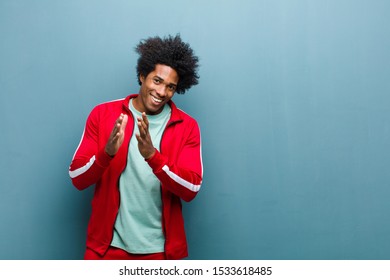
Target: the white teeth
pixel 156 99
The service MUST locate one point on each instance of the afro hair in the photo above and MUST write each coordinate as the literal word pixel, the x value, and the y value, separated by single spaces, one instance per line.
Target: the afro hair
pixel 170 51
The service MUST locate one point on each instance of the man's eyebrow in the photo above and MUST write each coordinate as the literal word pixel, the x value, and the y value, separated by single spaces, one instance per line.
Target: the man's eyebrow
pixel 161 79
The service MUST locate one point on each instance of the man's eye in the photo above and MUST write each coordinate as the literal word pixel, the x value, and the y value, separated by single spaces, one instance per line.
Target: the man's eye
pixel 156 81
pixel 172 88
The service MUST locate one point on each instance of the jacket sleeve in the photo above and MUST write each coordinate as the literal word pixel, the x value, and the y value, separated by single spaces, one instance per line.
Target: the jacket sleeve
pixel 89 161
pixel 184 176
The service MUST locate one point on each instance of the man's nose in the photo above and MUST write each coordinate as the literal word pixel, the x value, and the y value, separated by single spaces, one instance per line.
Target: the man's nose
pixel 161 90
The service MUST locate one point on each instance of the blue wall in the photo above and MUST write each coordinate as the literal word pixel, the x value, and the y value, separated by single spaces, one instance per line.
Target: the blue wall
pixel 293 103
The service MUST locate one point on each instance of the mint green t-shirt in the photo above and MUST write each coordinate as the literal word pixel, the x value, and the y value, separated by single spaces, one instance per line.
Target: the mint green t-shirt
pixel 138 227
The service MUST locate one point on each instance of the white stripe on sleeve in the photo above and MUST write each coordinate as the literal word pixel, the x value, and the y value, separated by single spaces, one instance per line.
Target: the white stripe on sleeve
pixel 82 169
pixel 181 181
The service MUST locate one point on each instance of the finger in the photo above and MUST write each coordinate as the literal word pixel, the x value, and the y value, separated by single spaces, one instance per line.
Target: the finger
pixel 145 119
pixel 117 126
pixel 141 129
pixel 144 125
pixel 139 138
pixel 116 136
pixel 114 131
pixel 124 121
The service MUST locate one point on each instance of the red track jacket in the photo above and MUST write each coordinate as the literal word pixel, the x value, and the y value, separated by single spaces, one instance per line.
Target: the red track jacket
pixel 178 166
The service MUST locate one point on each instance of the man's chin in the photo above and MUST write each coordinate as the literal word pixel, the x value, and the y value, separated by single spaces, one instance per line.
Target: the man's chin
pixel 154 110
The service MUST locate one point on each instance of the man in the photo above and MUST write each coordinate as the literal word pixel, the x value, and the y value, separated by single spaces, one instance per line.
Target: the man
pixel 144 155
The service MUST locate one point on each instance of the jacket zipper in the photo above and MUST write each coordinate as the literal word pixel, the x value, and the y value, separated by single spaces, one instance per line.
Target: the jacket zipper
pixel 117 184
pixel 169 124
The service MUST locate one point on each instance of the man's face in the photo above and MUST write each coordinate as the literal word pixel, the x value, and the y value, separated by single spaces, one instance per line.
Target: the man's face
pixel 157 88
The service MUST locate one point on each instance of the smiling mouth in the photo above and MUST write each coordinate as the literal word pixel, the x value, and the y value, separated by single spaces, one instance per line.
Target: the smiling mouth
pixel 157 100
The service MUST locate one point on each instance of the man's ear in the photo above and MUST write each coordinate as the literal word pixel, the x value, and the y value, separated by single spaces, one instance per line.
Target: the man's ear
pixel 141 78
